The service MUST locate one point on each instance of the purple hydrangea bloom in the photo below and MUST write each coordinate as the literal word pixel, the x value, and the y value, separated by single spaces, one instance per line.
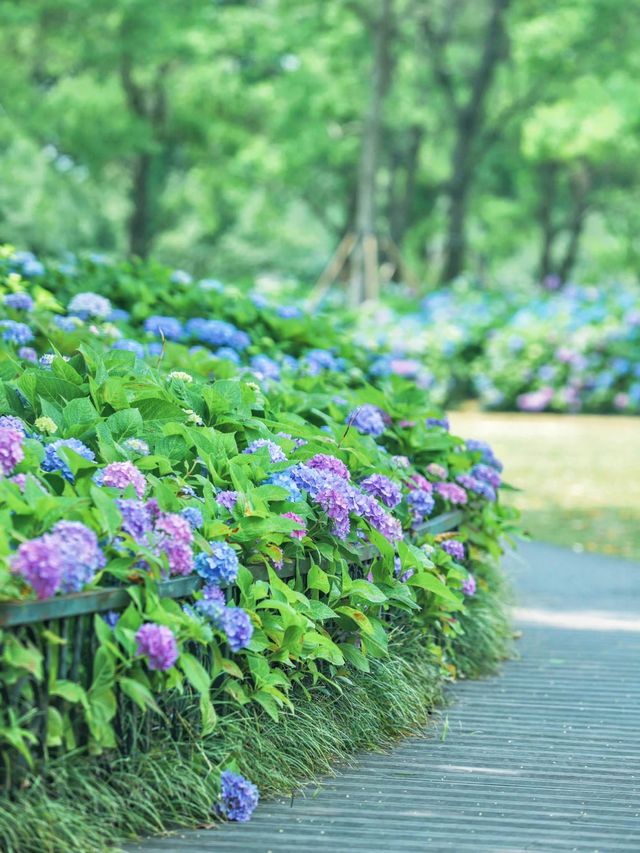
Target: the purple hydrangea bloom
pixel 128 345
pixel 478 487
pixel 158 645
pixel 212 604
pixel 454 549
pixel 239 797
pixel 54 462
pixel 452 492
pixel 285 480
pixel 296 534
pixel 276 453
pixel 193 516
pixel 437 471
pixel 19 301
pixel 469 585
pixel 11 452
pixel 335 502
pixel 299 442
pixel 82 555
pixel 119 475
pixel 220 566
pixel 237 627
pixel 308 479
pixel 163 327
pixel 227 499
pixel 87 305
pixel 16 333
pixel 368 419
pixel 330 465
pixel 174 537
pixel 383 521
pixel 421 503
pixel 397 570
pixel 41 563
pixel 28 354
pixel 46 360
pixel 487 473
pixel 136 519
pixel 383 488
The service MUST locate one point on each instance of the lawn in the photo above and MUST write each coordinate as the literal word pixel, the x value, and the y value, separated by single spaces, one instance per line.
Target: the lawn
pixel 579 475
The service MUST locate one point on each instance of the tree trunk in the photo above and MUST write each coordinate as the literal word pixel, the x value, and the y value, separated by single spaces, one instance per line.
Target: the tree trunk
pixel 402 199
pixel 469 120
pixel 140 218
pixel 548 180
pixel 364 265
pixel 580 188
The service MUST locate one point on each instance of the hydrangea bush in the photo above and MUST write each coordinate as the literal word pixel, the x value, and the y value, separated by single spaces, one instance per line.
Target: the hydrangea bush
pixel 296 499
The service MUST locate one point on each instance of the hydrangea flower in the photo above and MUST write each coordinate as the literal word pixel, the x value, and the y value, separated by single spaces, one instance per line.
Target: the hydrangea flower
pixel 265 367
pixel 285 480
pixel 127 345
pixel 385 523
pixel 437 471
pixel 454 548
pixel 318 360
pixel 438 422
pixel 41 563
pixel 288 312
pixel 212 604
pixel 193 516
pixel 12 422
pixel 67 324
pixel 46 360
pixel 417 481
pixel 158 645
pixel 174 537
pixel 228 499
pixel 11 451
pixel 16 333
pixel 237 627
pixel 334 501
pixel 220 566
pixel 330 465
pixel 488 456
pixel 136 519
pixel 296 534
pixel 478 487
pixel 111 617
pixel 137 446
pixel 421 503
pixel 181 277
pixel 163 327
pixel 276 453
pixel 487 473
pixel 452 492
pixel 368 419
pixel 180 375
pixel 228 354
pixel 469 585
pixel 82 555
pixel 119 475
pixel 239 797
pixel 46 425
pixel 28 264
pixel 28 354
pixel 87 305
pixel 54 462
pixel 19 301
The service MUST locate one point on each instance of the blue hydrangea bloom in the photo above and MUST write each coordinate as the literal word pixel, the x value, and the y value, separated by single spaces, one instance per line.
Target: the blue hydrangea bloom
pixel 421 503
pixel 193 516
pixel 265 367
pixel 129 345
pixel 87 305
pixel 239 797
pixel 53 462
pixel 181 277
pixel 19 301
pixel 238 628
pixel 367 419
pixel 167 327
pixel 220 566
pixel 228 354
pixel 285 480
pixel 67 324
pixel 16 333
pixel 27 263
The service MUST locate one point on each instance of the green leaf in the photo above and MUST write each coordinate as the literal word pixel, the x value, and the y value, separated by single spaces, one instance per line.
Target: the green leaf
pixel 195 673
pixel 140 694
pixel 429 582
pixel 318 579
pixel 354 657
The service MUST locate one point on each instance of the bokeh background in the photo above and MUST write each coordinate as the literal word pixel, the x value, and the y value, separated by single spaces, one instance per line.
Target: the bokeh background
pixel 488 147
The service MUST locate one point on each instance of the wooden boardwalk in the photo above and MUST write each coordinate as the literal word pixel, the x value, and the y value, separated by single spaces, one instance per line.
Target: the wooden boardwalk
pixel 545 757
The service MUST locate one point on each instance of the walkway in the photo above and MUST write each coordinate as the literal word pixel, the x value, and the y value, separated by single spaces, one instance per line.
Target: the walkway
pixel 545 757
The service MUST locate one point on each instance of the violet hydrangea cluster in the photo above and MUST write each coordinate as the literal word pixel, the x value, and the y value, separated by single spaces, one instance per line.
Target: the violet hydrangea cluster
pixel 119 475
pixel 451 492
pixel 296 534
pixel 238 796
pixel 11 449
pixel 469 585
pixel 454 549
pixel 158 644
pixel 368 419
pixel 163 533
pixel 228 499
pixel 19 301
pixel 383 489
pixel 329 465
pixel 86 305
pixel 65 559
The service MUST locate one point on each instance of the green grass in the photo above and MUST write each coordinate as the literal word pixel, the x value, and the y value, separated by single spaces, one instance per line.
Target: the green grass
pixel 86 805
pixel 579 475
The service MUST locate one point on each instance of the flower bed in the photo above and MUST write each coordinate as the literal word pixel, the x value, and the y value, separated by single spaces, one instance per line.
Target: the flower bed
pixel 178 436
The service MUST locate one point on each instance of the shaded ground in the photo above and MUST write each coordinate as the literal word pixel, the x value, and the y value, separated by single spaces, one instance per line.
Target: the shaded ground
pixel 544 757
pixel 580 475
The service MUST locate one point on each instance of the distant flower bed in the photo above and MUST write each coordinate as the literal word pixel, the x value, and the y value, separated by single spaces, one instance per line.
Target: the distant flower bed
pixel 153 427
pixel 575 350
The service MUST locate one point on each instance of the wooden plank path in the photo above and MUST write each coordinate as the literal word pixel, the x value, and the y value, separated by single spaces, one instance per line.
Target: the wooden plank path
pixel 545 757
